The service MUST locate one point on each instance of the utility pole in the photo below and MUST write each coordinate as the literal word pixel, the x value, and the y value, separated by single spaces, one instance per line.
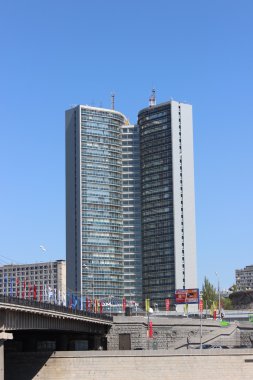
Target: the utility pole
pixel 218 278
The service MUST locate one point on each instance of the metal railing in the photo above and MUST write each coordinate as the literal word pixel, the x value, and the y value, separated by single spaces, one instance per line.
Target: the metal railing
pixel 52 307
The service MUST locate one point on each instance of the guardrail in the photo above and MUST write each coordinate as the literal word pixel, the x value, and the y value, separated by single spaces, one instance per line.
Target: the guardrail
pixel 54 307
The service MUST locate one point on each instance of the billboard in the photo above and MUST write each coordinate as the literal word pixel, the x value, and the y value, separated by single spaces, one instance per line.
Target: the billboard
pixel 187 296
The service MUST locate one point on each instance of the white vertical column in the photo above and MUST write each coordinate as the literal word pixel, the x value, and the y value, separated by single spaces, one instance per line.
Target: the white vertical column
pixel 183 195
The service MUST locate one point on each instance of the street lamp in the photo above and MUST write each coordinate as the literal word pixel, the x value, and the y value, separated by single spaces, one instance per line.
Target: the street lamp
pixel 42 247
pixel 218 278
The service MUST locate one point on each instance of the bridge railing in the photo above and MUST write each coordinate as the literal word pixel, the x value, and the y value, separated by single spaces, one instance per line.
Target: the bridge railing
pixel 53 307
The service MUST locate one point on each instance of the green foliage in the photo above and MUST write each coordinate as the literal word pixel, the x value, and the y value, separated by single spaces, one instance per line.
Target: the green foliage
pixel 233 288
pixel 209 294
pixel 226 303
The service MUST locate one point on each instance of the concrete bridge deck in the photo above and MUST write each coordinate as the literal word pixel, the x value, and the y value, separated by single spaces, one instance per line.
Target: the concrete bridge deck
pixel 16 313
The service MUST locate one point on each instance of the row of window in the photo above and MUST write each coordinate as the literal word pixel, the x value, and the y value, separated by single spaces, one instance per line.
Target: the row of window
pixel 109 118
pixel 107 141
pixel 103 153
pixel 93 128
pixel 102 200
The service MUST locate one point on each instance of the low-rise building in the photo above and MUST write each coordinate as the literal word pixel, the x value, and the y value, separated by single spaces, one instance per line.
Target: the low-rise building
pixel 244 278
pixel 45 282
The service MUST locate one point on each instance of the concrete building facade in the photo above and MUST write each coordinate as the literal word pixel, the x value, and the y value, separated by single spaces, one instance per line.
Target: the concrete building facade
pixel 49 279
pixel 168 205
pixel 244 278
pixel 130 210
pixel 94 217
pixel 131 213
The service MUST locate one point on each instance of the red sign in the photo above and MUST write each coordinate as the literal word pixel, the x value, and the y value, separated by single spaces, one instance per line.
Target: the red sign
pixel 201 306
pixel 187 296
pixel 167 304
pixel 124 304
pixel 34 292
pixel 150 330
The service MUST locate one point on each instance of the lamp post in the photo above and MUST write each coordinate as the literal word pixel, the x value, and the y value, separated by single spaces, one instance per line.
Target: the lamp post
pixel 218 278
pixel 42 247
pixel 110 304
pixel 131 301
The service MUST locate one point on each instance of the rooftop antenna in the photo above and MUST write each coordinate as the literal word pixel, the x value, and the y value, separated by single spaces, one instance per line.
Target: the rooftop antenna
pixel 152 99
pixel 113 101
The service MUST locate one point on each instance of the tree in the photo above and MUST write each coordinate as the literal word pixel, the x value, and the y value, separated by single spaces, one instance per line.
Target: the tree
pixel 226 303
pixel 209 294
pixel 233 288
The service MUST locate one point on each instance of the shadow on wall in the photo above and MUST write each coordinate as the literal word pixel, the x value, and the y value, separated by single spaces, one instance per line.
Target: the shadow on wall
pixel 24 365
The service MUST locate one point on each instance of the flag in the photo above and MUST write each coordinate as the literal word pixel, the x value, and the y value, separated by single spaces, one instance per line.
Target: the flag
pixel 5 285
pixel 64 298
pixel 45 294
pixel 29 290
pixel 12 280
pixel 167 304
pixel 17 287
pixel 101 307
pixel 124 304
pixel 147 304
pixel 41 293
pixel 50 293
pixel 186 308
pixel 75 302
pixel 69 299
pixel 24 289
pixel 150 330
pixel 34 292
pixel 87 304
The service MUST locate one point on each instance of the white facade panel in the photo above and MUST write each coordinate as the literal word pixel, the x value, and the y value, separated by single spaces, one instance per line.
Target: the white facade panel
pixel 183 196
pixel 188 197
pixel 176 156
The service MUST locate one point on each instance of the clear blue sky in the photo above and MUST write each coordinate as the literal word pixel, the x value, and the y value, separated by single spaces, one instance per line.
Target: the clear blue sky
pixel 58 53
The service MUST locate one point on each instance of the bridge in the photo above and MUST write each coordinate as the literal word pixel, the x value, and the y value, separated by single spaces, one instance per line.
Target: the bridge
pixel 21 314
pixel 27 325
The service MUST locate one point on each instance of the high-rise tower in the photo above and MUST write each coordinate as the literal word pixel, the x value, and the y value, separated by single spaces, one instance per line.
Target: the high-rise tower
pixel 168 206
pixel 94 218
pixel 130 209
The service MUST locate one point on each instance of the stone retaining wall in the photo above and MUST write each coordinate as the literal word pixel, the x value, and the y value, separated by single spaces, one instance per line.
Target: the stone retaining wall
pixel 136 365
pixel 175 333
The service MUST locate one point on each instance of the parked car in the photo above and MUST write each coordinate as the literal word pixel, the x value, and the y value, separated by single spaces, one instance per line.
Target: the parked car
pixel 207 346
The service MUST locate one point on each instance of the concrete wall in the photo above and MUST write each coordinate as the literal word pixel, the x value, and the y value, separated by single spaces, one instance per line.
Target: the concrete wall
pixel 171 333
pixel 174 333
pixel 138 365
